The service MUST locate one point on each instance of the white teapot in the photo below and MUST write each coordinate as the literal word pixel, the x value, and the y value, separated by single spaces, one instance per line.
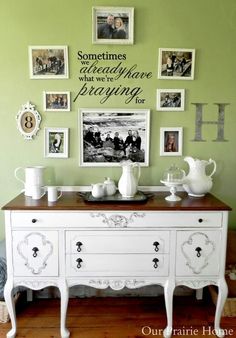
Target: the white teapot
pixel 197 183
pixel 128 183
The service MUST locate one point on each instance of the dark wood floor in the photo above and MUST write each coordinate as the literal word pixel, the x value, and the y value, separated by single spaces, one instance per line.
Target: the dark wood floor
pixel 118 318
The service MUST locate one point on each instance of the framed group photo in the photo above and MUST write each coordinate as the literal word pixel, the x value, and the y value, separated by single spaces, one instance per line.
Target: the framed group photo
pixel 112 25
pixel 170 99
pixel 171 141
pixel 110 136
pixel 48 62
pixel 56 142
pixel 56 101
pixel 176 63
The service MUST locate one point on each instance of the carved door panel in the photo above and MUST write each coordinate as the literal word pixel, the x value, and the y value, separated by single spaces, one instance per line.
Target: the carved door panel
pixel 35 253
pixel 198 253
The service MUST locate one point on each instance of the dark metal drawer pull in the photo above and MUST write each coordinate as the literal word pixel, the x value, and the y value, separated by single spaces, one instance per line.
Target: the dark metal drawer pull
pixel 79 261
pixel 35 250
pixel 198 249
pixel 79 244
pixel 34 220
pixel 200 220
pixel 156 244
pixel 155 261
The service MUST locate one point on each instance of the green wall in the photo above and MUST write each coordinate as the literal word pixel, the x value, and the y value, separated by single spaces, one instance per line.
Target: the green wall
pixel 209 26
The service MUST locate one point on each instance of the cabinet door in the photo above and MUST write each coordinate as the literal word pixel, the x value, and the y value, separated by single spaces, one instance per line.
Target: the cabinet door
pixel 198 253
pixel 35 253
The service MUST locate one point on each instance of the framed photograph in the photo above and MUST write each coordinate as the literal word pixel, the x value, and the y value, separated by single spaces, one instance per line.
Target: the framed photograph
pixel 48 62
pixel 56 101
pixel 56 142
pixel 113 25
pixel 109 136
pixel 170 99
pixel 171 141
pixel 176 63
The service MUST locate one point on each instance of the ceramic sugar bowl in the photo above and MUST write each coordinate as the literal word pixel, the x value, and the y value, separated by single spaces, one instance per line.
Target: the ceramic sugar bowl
pixel 109 187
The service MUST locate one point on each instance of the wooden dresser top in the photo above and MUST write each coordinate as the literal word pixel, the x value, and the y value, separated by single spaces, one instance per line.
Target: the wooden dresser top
pixel 155 202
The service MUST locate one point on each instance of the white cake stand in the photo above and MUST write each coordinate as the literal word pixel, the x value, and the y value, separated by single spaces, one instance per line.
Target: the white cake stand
pixel 173 188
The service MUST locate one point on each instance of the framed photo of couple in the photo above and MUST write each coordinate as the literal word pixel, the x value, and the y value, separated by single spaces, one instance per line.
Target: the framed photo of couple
pixel 113 25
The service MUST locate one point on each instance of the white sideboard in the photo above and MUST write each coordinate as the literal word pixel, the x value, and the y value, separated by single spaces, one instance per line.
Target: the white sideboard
pixel 73 242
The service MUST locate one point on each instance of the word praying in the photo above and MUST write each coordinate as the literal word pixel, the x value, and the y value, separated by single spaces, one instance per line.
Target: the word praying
pixel 107 92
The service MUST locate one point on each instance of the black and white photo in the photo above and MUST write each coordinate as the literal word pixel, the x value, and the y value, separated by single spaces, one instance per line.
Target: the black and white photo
pixel 109 136
pixel 56 142
pixel 170 99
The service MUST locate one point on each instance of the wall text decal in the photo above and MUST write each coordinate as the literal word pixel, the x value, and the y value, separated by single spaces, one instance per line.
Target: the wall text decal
pixel 103 80
pixel 219 123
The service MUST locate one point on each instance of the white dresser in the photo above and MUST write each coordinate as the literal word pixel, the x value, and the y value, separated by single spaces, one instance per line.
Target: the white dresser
pixel 73 242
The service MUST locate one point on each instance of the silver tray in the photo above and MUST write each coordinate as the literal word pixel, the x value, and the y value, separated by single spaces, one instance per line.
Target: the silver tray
pixel 138 197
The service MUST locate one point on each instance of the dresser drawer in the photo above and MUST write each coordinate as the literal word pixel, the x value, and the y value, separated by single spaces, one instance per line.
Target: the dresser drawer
pixel 117 242
pixel 118 219
pixel 198 253
pixel 117 265
pixel 35 253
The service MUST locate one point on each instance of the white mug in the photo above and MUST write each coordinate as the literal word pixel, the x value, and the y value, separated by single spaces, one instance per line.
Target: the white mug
pixel 33 177
pixel 53 193
pixel 37 192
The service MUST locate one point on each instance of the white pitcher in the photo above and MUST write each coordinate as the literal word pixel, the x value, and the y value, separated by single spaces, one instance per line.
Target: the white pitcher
pixel 197 183
pixel 33 177
pixel 128 183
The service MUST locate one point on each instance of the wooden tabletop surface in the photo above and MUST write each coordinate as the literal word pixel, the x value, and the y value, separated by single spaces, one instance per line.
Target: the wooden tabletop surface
pixel 155 201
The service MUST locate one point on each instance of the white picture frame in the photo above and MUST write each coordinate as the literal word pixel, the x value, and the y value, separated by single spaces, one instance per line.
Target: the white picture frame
pixel 176 63
pixel 113 25
pixel 171 141
pixel 56 101
pixel 56 142
pixel 109 136
pixel 170 100
pixel 48 62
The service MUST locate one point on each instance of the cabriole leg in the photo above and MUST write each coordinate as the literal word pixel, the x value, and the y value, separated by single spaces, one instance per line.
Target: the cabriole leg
pixel 168 293
pixel 222 295
pixel 64 303
pixel 8 295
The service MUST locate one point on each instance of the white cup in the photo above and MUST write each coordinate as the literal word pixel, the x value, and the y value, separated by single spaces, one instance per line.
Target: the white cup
pixel 37 192
pixel 53 194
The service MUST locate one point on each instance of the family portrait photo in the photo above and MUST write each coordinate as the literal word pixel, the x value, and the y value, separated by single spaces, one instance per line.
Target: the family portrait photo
pixel 170 99
pixel 171 141
pixel 56 101
pixel 48 62
pixel 176 63
pixel 113 25
pixel 111 136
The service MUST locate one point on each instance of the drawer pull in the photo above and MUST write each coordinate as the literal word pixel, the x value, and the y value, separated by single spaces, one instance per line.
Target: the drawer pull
pixel 79 244
pixel 35 250
pixel 34 220
pixel 79 261
pixel 156 244
pixel 155 261
pixel 200 220
pixel 198 249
